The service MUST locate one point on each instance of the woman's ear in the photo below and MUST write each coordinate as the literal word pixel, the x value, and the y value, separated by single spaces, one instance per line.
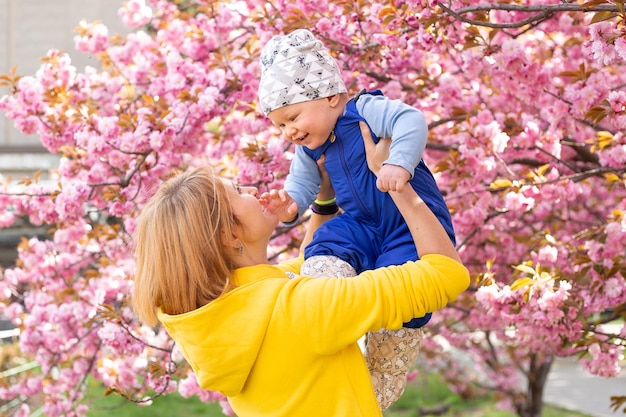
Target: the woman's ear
pixel 230 240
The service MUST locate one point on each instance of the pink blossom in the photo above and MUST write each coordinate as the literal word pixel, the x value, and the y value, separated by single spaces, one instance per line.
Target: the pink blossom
pixel 604 360
pixel 500 142
pixel 14 312
pixel 118 339
pixel 600 49
pixel 617 101
pixel 22 411
pixel 484 117
pixel 394 89
pixel 7 219
pixel 135 13
pixel 94 38
pixel 620 48
pixel 614 287
pixel 547 255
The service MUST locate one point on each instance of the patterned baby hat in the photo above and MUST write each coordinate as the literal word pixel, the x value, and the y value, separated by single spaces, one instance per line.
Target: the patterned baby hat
pixel 297 68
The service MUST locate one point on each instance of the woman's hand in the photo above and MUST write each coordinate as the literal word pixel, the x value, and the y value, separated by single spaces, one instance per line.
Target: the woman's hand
pixel 376 153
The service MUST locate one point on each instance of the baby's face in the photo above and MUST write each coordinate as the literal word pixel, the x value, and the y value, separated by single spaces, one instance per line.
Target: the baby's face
pixel 309 123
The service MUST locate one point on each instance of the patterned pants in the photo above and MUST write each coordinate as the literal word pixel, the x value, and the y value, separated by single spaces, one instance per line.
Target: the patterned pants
pixel 389 354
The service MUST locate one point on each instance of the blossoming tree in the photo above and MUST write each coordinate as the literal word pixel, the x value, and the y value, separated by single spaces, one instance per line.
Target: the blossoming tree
pixel 526 104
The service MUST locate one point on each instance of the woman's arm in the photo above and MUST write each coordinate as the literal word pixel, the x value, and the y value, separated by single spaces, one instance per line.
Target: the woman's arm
pixel 428 234
pixel 394 294
pixel 326 193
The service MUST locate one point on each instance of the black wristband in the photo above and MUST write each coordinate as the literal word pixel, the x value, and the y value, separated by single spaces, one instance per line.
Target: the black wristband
pixel 324 210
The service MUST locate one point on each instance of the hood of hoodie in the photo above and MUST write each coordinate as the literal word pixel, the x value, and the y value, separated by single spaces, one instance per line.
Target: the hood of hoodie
pixel 221 340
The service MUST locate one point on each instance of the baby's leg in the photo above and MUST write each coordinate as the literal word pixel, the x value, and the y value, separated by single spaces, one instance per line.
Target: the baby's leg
pixel 390 354
pixel 327 266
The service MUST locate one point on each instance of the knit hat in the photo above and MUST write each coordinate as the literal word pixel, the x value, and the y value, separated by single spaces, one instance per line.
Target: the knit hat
pixel 296 68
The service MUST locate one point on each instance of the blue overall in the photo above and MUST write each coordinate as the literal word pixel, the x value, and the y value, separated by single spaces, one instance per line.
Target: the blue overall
pixel 371 232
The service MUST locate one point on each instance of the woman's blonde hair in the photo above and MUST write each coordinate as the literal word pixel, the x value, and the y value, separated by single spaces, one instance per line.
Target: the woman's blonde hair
pixel 181 261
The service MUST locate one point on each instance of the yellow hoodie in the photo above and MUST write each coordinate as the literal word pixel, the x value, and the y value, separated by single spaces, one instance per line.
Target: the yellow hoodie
pixel 285 347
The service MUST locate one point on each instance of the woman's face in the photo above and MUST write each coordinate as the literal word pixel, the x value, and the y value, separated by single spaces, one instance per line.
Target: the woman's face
pixel 256 223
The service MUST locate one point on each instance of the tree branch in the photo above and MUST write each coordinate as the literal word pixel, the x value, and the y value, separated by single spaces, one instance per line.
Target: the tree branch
pixel 542 12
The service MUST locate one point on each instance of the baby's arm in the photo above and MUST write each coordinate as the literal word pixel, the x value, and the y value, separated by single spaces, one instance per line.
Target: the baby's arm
pixel 301 187
pixel 407 128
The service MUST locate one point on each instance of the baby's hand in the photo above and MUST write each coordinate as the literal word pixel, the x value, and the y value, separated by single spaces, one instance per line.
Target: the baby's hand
pixel 392 178
pixel 279 202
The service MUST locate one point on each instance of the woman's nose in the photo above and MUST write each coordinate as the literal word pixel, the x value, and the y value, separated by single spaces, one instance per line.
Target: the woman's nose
pixel 252 190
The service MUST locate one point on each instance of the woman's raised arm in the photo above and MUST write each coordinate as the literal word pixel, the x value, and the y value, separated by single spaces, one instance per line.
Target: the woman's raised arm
pixel 326 193
pixel 428 234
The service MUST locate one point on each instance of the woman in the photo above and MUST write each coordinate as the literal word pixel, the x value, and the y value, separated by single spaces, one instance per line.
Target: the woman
pixel 276 346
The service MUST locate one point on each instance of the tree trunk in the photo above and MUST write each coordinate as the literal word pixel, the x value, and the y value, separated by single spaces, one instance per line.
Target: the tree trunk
pixel 538 371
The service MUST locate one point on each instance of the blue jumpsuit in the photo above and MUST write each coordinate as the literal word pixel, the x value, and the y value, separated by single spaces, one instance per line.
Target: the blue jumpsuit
pixel 371 232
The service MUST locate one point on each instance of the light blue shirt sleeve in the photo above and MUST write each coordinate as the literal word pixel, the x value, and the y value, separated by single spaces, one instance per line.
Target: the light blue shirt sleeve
pixel 303 181
pixel 404 124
